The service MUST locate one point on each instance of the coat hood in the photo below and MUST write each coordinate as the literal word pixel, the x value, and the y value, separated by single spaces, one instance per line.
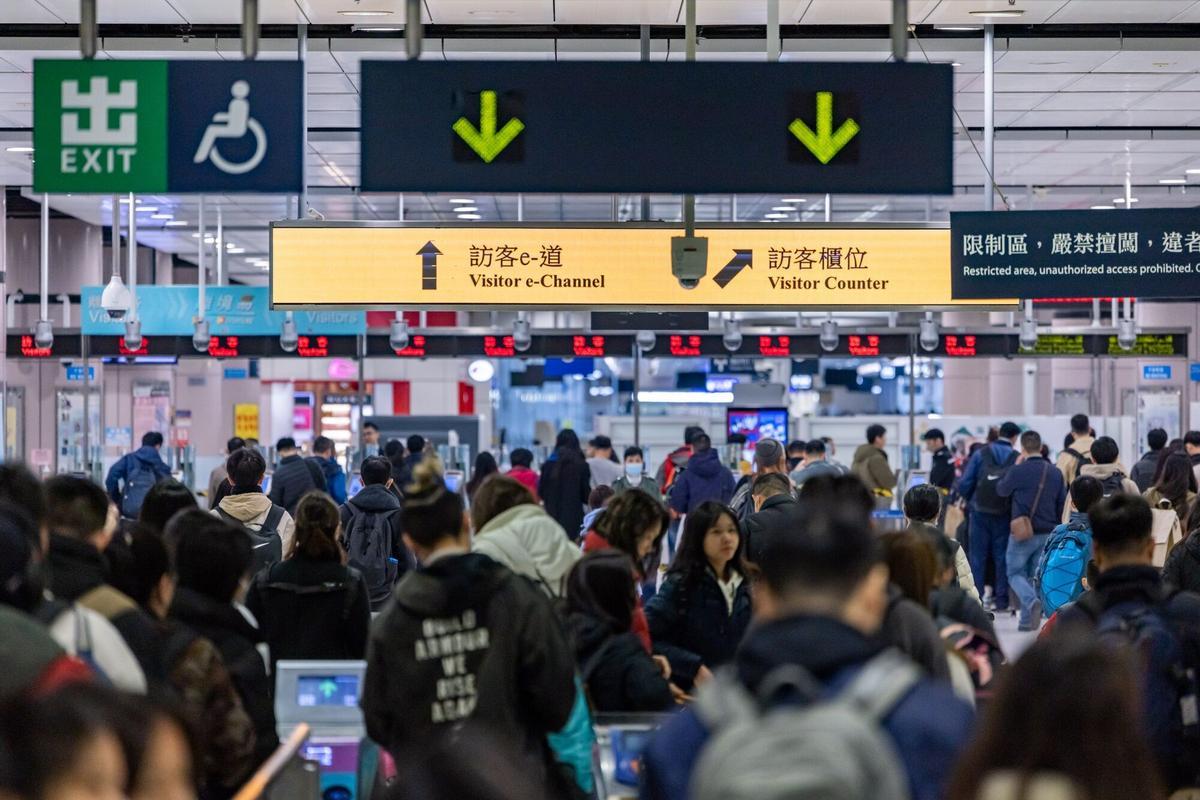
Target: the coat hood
pixel 528 541
pixel 706 464
pixel 450 585
pixel 587 634
pixel 375 498
pixel 149 456
pixel 1102 471
pixel 75 567
pixel 868 451
pixel 246 507
pixel 197 610
pixel 822 645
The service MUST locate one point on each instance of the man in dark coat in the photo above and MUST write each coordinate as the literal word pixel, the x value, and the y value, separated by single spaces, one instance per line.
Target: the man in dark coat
pixel 294 477
pixel 705 478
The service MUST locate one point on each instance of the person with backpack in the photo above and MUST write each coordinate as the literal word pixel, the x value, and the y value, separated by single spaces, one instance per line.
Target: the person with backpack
pixel 312 606
pixel 565 483
pixel 270 525
pixel 218 479
pixel 1038 495
pixel 324 458
pixel 1078 450
pixel 371 531
pixel 466 643
pixel 812 705
pixel 1143 472
pixel 1106 467
pixel 1175 489
pixel 769 457
pixel 677 460
pixel 618 673
pixel 294 476
pixel 1059 727
pixel 705 479
pixel 1131 609
pixel 132 476
pixel 1062 569
pixel 990 514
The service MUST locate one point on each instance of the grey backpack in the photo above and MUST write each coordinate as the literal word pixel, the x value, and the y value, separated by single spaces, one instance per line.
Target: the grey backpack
pixel 825 748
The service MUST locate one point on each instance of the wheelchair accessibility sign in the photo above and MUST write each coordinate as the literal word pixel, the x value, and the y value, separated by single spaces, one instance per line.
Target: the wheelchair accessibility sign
pixel 181 126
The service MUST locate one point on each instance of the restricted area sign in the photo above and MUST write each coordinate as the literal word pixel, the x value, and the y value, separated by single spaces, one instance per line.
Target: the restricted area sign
pixel 357 265
pixel 635 127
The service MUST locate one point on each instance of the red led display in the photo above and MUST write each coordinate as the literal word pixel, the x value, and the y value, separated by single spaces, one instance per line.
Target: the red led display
pixel 775 345
pixel 31 350
pixel 863 345
pixel 685 346
pixel 415 349
pixel 588 346
pixel 223 346
pixel 144 350
pixel 312 346
pixel 499 347
pixel 960 346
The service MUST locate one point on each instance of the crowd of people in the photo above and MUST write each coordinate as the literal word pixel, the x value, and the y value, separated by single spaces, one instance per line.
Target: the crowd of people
pixel 793 648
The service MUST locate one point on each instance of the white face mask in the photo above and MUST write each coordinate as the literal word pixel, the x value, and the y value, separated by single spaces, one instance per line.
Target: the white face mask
pixel 633 471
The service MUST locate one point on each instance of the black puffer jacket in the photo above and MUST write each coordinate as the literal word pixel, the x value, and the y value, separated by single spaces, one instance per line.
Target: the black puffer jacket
pixel 691 623
pixel 779 517
pixel 294 478
pixel 564 486
pixel 619 673
pixel 466 640
pixel 378 500
pixel 1182 568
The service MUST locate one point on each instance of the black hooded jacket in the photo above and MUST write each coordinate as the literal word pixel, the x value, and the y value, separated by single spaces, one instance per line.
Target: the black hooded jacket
pixel 619 674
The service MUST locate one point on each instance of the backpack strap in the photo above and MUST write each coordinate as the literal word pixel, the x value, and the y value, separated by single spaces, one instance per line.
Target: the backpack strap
pixel 273 518
pixel 881 684
pixel 230 518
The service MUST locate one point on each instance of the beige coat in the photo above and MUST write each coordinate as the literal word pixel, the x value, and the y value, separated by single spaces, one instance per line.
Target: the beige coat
pixel 251 510
pixel 1068 464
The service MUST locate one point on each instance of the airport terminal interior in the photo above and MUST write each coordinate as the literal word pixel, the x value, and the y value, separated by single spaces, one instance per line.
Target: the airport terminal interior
pixel 656 399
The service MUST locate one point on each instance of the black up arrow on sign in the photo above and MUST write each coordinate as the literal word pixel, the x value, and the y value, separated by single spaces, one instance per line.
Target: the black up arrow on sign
pixel 429 254
pixel 741 260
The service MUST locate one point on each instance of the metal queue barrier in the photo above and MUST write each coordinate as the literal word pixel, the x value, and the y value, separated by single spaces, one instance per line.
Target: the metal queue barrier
pixel 286 775
pixel 620 740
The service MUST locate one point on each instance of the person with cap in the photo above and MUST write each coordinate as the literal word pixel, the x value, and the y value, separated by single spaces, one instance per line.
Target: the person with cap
pixel 769 456
pixel 991 513
pixel 603 462
pixel 942 473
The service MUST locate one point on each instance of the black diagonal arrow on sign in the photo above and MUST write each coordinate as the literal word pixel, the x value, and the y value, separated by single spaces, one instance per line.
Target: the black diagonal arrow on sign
pixel 741 260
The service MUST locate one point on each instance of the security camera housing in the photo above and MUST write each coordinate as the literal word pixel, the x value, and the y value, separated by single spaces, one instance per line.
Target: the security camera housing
pixel 116 299
pixel 689 260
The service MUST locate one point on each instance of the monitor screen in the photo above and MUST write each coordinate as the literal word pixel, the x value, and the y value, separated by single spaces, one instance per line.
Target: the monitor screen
pixel 266 483
pixel 758 423
pixel 454 480
pixel 327 690
pixel 354 485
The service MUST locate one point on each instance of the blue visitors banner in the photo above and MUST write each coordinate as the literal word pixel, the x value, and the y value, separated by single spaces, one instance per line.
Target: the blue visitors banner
pixel 230 311
pixel 1156 372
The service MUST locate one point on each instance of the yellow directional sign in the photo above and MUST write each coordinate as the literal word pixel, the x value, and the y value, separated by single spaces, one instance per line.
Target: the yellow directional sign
pixel 371 265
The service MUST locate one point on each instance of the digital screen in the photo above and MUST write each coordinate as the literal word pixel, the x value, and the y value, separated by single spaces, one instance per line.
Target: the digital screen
pixel 627 747
pixel 1147 344
pixel 66 345
pixel 1057 345
pixel 588 345
pixel 499 347
pixel 959 346
pixel 685 346
pixel 453 480
pixel 415 349
pixel 758 423
pixel 31 350
pixel 223 346
pixel 312 346
pixel 863 345
pixel 327 690
pixel 775 346
pixel 143 350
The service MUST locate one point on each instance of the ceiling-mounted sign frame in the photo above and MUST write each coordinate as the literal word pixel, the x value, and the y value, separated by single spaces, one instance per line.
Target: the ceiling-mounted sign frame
pixel 504 126
pixel 378 264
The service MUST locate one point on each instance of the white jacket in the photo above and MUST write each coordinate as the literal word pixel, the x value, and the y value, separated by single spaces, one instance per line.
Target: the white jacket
pixel 251 510
pixel 82 629
pixel 528 541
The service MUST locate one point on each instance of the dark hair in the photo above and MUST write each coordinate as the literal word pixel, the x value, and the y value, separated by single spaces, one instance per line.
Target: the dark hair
pixel 601 585
pixel 495 497
pixel 601 443
pixel 234 443
pixel 874 432
pixel 599 497
pixel 1176 481
pixel 152 439
pixel 521 457
pixel 1009 429
pixel 1157 439
pixel 736 438
pixel 828 554
pixel 21 583
pixel 371 425
pixel 285 443
pixel 627 518
pixel 690 560
pixel 814 447
pixel 76 507
pixel 211 556
pixel 993 434
pixel 393 449
pixel 923 503
pixel 691 432
pixel 946 550
pixel 796 446
pixel 1031 442
pixel 1106 756
pixel 323 444
pixel 415 443
pixel 149 560
pixel 1086 491
pixel 912 563
pixel 246 468
pixel 1193 521
pixel 1104 450
pixel 136 724
pixel 1080 424
pixel 431 511
pixel 1192 438
pixel 317 525
pixel 701 442
pixel 1068 440
pixel 847 490
pixel 375 470
pixel 20 487
pixel 485 467
pixel 770 485
pixel 1173 447
pixel 164 500
pixel 568 439
pixel 634 452
pixel 1121 522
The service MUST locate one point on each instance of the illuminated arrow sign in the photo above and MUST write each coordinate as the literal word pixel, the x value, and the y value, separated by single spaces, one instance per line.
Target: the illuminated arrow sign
pixel 826 142
pixel 741 260
pixel 486 141
pixel 429 254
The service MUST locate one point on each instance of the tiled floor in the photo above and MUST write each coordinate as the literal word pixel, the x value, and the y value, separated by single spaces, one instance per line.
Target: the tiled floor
pixel 1012 641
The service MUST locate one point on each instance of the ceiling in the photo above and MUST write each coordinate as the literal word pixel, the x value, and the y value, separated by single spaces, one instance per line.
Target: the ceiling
pixel 1058 100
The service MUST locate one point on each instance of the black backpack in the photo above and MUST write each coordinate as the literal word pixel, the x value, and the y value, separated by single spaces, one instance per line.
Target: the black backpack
pixel 367 537
pixel 266 541
pixel 1079 457
pixel 1113 484
pixel 348 588
pixel 987 499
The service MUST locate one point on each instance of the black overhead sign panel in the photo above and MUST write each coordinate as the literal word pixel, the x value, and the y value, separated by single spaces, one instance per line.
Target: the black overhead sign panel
pixel 1152 253
pixel 637 127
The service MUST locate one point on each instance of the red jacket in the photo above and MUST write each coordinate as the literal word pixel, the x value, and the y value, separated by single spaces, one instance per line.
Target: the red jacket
pixel 639 626
pixel 527 478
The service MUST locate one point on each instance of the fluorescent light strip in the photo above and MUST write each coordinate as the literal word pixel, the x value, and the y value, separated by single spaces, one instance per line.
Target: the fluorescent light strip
pixel 20 148
pixel 686 398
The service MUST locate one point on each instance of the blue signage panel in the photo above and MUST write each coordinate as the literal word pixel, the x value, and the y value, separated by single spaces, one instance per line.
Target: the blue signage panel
pixel 1194 372
pixel 75 373
pixel 231 311
pixel 634 127
pixel 236 373
pixel 1156 372
pixel 1038 254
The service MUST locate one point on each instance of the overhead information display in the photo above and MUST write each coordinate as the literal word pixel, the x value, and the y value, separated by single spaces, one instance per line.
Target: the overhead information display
pixel 566 126
pixel 374 266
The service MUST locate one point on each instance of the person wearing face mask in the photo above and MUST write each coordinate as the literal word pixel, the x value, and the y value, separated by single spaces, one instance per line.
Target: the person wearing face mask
pixel 634 474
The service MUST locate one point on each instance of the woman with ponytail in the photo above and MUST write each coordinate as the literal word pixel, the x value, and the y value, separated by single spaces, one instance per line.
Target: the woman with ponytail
pixel 311 605
pixel 465 644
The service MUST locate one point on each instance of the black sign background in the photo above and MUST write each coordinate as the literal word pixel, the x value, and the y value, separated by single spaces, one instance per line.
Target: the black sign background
pixel 1151 253
pixel 633 127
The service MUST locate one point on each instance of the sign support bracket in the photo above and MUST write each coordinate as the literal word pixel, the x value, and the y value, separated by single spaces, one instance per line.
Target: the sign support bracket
pixel 989 116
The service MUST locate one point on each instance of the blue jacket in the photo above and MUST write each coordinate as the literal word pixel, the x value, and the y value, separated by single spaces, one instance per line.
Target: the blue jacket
pixel 1001 450
pixel 119 473
pixel 690 622
pixel 1021 484
pixel 929 726
pixel 335 477
pixel 705 478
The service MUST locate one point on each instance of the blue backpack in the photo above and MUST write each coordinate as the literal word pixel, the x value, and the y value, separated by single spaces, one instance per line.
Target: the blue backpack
pixel 138 482
pixel 1063 565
